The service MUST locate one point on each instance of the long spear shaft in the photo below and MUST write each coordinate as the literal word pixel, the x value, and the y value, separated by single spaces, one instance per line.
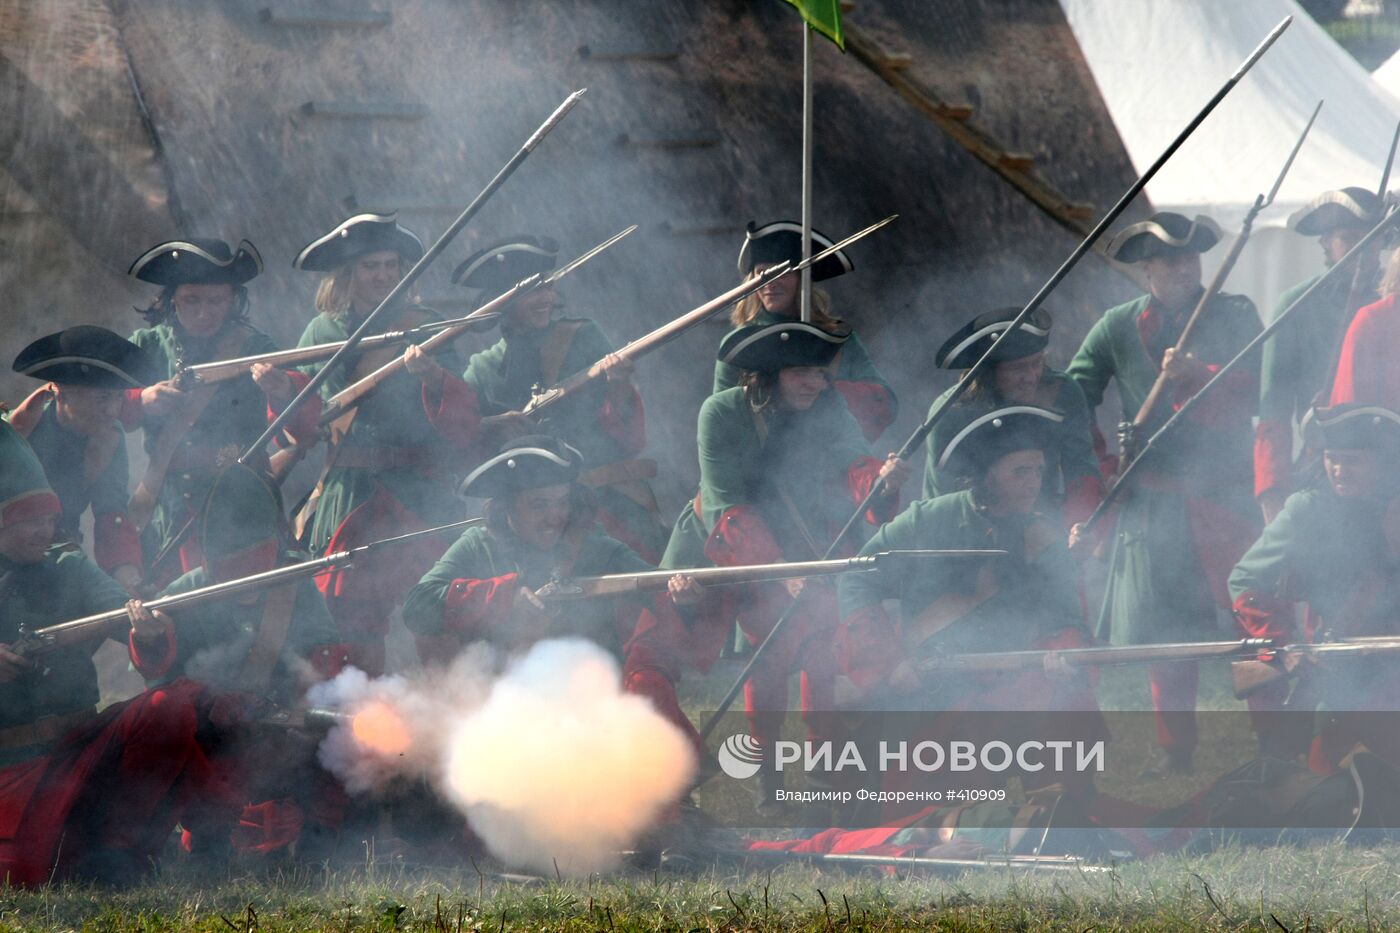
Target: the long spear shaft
pixel 411 276
pixel 963 384
pixel 1116 489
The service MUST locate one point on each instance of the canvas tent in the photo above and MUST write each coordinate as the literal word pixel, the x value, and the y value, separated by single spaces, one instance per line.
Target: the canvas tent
pixel 1156 62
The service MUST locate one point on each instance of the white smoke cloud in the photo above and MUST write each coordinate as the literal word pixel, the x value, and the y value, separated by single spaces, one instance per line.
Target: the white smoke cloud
pixel 550 761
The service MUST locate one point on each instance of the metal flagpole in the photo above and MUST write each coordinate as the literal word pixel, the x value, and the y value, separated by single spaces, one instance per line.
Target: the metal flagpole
pixel 806 289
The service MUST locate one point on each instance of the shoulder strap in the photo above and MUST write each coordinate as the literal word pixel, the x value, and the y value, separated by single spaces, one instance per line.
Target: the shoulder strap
pixel 262 657
pixel 761 427
pixel 556 347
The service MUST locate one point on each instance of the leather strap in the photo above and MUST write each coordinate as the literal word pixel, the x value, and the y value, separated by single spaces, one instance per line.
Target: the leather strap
pixel 143 500
pixel 761 427
pixel 43 730
pixel 555 348
pixel 272 635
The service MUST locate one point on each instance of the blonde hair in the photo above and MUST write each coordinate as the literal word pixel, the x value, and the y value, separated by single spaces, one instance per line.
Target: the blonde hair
pixel 1390 281
pixel 333 294
pixel 749 307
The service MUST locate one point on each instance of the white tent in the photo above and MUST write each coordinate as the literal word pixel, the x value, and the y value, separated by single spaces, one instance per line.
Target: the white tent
pixel 1388 75
pixel 1157 62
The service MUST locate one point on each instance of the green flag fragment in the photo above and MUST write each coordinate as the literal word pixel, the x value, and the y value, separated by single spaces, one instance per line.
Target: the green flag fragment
pixel 824 16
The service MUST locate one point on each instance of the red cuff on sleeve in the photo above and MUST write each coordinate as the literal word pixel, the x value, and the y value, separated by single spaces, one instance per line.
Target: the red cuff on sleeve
pixel 115 541
pixel 742 537
pixel 453 411
pixel 473 608
pixel 870 403
pixel 1082 496
pixel 1264 616
pixel 861 478
pixel 1273 457
pixel 148 663
pixel 130 414
pixel 304 423
pixel 868 646
pixel 624 420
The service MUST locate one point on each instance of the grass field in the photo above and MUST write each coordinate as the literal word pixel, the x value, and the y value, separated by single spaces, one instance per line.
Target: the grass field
pixel 1331 886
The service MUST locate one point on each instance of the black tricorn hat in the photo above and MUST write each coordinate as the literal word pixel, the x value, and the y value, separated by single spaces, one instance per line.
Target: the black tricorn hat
pixel 973 339
pixel 197 261
pixel 987 438
pixel 1345 207
pixel 359 236
pixel 1162 232
pixel 767 348
pixel 87 356
pixel 1354 426
pixel 499 266
pixel 527 462
pixel 782 240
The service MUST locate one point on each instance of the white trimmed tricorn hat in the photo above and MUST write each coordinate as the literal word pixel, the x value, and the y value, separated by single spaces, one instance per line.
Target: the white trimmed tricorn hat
pixel 1162 232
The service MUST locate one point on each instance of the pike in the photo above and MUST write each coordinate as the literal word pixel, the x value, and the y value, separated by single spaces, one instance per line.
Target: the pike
pixel 220 370
pixel 619 584
pixel 917 439
pixel 405 283
pixel 1388 221
pixel 38 641
pixel 543 398
pixel 347 398
pixel 1022 661
pixel 1128 431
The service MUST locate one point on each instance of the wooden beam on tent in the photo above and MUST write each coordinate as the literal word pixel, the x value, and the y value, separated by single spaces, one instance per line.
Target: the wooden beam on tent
pixel 956 120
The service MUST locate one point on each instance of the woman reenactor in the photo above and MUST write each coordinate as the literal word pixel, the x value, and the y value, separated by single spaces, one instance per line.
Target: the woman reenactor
pixel 868 396
pixel 392 458
pixel 782 462
pixel 191 432
pixel 1017 375
pixel 605 422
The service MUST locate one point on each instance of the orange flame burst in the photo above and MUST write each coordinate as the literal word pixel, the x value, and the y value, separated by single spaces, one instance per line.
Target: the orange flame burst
pixel 379 728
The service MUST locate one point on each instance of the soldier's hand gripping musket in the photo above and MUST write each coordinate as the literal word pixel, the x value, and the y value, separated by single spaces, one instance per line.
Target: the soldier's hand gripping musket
pixel 664 334
pixel 351 395
pixel 36 642
pixel 1128 433
pixel 221 370
pixel 618 584
pixel 1282 662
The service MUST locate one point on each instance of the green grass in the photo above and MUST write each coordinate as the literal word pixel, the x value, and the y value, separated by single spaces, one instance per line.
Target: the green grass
pixel 1325 888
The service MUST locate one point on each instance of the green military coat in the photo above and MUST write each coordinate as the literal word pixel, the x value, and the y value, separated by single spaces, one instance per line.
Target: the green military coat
pixel 1165 577
pixel 394 415
pixel 483 554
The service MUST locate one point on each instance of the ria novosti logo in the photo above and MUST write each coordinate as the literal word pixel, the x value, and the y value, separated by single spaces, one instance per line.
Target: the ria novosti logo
pixel 740 756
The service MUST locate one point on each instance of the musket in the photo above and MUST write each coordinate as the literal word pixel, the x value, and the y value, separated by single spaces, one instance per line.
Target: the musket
pixel 1380 229
pixel 314 718
pixel 1284 661
pixel 936 414
pixel 1127 434
pixel 618 584
pixel 38 641
pixel 543 398
pixel 1019 661
pixel 951 865
pixel 401 289
pixel 1365 271
pixel 221 370
pixel 351 395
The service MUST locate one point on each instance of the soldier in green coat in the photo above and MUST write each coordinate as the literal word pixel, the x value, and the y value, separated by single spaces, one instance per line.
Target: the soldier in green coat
pixel 71 423
pixel 1301 357
pixel 393 459
pixel 868 395
pixel 1189 514
pixel 540 528
pixel 606 421
pixel 191 432
pixel 1335 548
pixel 782 464
pixel 1018 375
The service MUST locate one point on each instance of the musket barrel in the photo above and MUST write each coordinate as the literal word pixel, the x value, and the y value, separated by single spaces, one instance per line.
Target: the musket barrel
pixel 1093 657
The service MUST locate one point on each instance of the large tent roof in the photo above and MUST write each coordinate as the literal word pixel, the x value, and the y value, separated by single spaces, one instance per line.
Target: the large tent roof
pixel 1157 62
